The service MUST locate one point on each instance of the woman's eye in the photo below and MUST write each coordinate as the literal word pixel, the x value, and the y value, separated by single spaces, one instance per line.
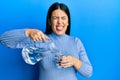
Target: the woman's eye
pixel 63 18
pixel 54 17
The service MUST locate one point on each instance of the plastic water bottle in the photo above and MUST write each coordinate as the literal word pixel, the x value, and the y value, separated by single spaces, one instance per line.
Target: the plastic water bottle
pixel 32 55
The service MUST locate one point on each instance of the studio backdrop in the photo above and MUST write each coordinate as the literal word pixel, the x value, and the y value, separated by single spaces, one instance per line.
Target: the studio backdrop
pixel 95 22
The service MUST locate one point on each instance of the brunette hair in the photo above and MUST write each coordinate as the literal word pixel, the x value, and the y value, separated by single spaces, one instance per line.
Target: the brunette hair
pixel 51 9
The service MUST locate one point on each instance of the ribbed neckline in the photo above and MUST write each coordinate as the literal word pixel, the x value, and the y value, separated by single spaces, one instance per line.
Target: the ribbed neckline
pixel 59 36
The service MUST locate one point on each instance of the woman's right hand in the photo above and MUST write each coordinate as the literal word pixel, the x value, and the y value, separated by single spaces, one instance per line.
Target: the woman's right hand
pixel 36 34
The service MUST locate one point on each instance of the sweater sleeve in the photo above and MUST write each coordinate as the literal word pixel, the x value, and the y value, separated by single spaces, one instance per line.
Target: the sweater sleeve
pixel 15 39
pixel 86 68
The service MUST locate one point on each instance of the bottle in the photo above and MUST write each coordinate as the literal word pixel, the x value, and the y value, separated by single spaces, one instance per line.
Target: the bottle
pixel 32 55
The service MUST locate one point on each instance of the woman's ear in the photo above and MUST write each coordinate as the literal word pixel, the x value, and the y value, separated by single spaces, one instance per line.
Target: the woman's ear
pixel 68 24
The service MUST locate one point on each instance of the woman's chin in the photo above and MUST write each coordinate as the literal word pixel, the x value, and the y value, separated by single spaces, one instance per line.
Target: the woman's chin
pixel 60 33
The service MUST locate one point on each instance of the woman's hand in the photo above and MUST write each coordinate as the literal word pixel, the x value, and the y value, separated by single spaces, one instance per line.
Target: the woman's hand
pixel 70 61
pixel 36 34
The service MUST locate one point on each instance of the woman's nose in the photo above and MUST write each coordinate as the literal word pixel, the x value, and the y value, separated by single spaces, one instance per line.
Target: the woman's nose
pixel 59 20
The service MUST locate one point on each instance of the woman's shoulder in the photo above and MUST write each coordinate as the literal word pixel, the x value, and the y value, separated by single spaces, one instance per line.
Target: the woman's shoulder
pixel 75 38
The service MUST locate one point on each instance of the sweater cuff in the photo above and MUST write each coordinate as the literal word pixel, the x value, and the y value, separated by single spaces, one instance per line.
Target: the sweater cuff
pixel 85 69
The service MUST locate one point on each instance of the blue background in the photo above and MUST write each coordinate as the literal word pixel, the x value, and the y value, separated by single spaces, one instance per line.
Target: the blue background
pixel 95 22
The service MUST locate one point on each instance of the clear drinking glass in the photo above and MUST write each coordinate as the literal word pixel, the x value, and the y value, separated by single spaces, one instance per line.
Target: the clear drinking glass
pixel 57 59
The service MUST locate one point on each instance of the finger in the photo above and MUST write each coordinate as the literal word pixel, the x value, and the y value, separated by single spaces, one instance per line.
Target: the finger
pixel 65 58
pixel 42 36
pixel 39 38
pixel 62 61
pixel 36 37
pixel 66 62
pixel 65 65
pixel 46 37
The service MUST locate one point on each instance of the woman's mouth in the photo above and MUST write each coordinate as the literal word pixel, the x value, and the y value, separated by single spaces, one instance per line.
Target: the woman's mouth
pixel 59 28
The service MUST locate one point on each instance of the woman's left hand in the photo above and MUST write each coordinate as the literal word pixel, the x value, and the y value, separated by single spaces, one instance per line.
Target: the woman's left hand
pixel 69 61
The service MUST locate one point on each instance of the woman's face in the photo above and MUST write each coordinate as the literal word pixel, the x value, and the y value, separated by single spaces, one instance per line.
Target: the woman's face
pixel 59 22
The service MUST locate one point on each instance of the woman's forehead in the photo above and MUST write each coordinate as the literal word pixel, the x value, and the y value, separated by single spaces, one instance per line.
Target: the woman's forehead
pixel 59 12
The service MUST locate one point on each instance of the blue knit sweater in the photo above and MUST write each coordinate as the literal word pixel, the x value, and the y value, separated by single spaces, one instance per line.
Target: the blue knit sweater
pixel 48 70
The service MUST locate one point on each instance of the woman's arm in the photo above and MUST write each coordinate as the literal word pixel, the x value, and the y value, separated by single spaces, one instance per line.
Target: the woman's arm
pixel 81 64
pixel 85 67
pixel 14 38
pixel 20 38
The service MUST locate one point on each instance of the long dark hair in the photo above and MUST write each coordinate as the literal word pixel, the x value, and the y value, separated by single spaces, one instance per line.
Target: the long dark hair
pixel 51 9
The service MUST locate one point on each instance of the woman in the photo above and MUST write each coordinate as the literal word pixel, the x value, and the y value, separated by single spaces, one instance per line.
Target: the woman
pixel 57 29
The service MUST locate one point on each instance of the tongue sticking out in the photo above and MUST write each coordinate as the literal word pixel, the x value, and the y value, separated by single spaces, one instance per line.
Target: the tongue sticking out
pixel 59 28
